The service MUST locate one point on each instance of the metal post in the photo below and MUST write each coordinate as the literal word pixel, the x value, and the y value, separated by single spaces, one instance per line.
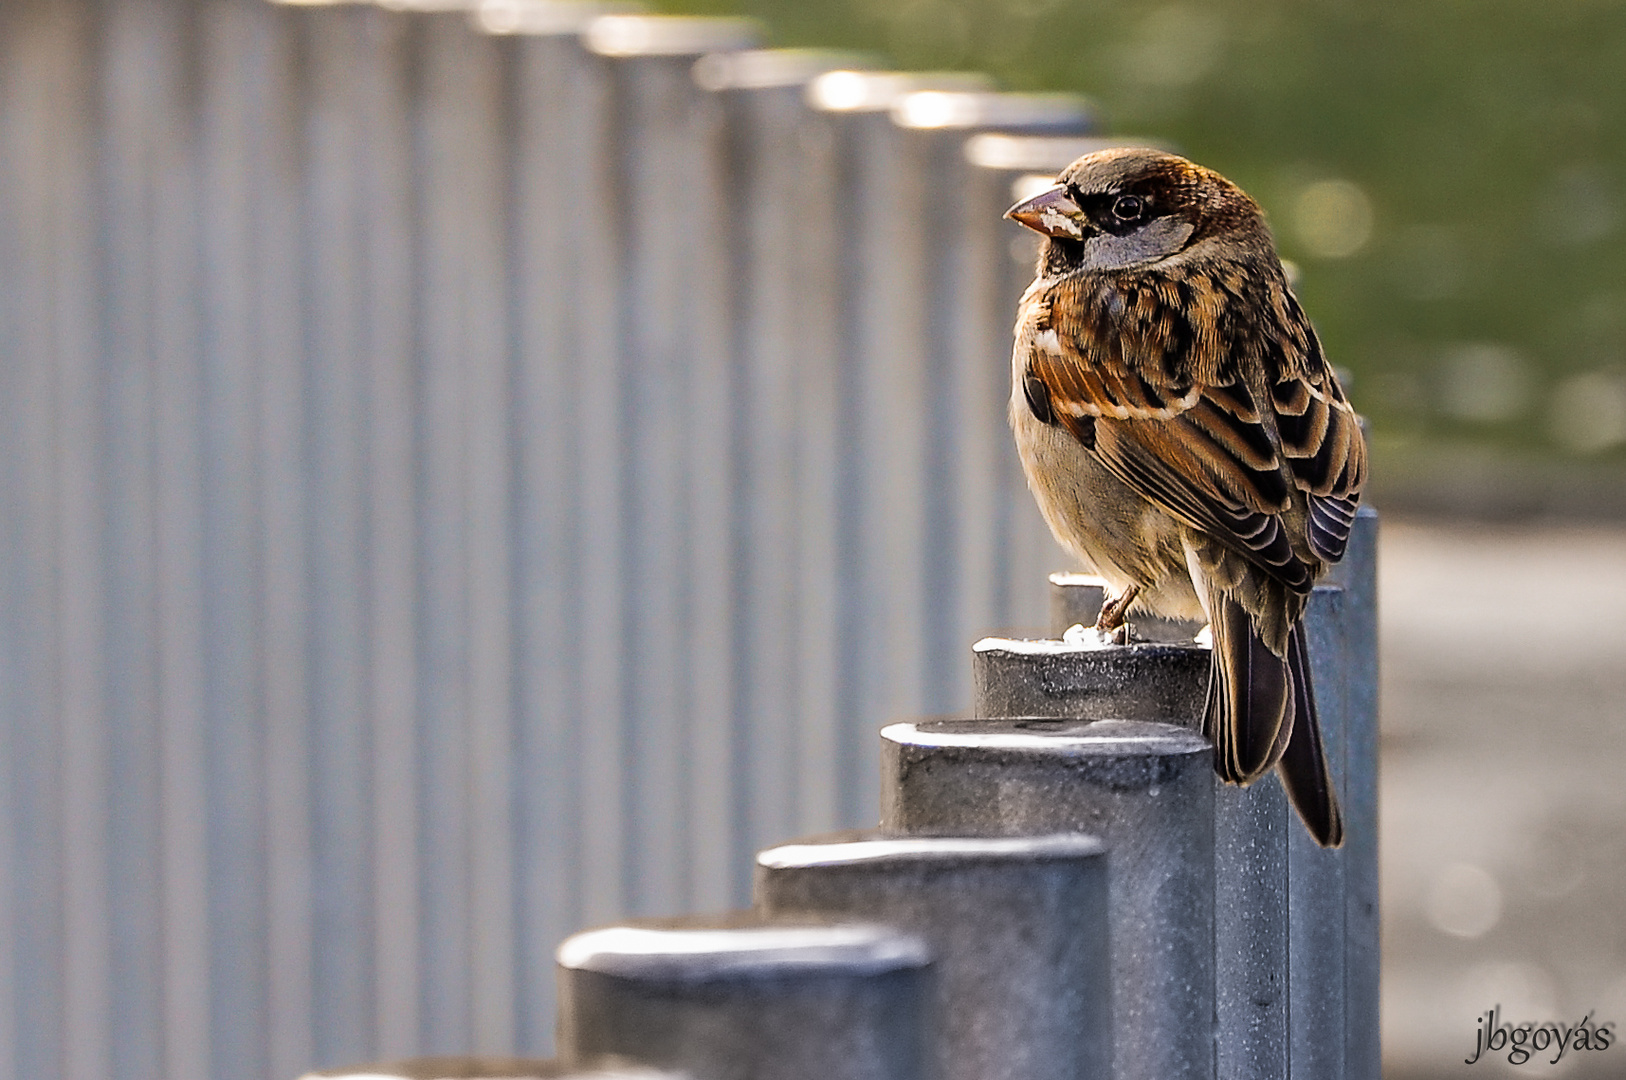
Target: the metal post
pixel 251 719
pixel 568 750
pixel 728 1001
pixel 1147 791
pixel 1156 682
pixel 871 374
pixel 961 385
pixel 1018 924
pixel 1251 827
pixel 675 427
pixel 1251 929
pixel 165 509
pixel 1357 573
pixel 460 213
pixel 773 324
pixel 1003 535
pixel 1315 876
pixel 1295 930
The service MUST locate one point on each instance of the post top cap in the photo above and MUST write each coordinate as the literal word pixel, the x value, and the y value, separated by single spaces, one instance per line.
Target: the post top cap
pixel 759 69
pixel 950 109
pixel 858 849
pixel 1047 738
pixel 670 35
pixel 705 954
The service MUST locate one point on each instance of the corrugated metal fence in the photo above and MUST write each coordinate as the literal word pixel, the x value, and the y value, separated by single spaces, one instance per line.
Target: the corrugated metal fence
pixel 464 476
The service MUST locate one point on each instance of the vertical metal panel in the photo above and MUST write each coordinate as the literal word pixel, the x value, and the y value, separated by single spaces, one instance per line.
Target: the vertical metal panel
pixel 1006 548
pixel 149 378
pixel 666 267
pixel 282 512
pixel 1316 905
pixel 51 323
pixel 776 297
pixel 348 54
pixel 1358 572
pixel 880 471
pixel 384 229
pixel 555 113
pixel 961 384
pixel 466 724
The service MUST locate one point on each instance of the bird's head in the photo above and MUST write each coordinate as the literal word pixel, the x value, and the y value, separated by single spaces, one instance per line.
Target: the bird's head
pixel 1132 207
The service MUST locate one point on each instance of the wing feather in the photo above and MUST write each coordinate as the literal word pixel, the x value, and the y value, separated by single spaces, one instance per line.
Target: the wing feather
pixel 1166 409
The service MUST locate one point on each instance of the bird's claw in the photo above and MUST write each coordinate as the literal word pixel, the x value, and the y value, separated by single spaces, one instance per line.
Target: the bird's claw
pixel 1111 622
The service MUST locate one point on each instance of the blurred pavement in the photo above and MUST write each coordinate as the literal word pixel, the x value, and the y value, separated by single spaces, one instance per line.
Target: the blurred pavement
pixel 1503 789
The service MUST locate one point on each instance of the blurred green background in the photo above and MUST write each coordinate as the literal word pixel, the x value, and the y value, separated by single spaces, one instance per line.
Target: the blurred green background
pixel 1450 178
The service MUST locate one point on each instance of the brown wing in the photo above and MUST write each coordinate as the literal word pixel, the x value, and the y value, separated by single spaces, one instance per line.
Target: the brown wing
pixel 1322 441
pixel 1167 410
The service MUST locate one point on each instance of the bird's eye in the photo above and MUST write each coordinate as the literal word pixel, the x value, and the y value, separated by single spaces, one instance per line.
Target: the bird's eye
pixel 1128 207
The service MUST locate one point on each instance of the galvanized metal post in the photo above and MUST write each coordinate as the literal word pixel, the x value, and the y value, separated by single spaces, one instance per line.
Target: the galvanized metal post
pixel 1357 574
pixel 1251 827
pixel 1002 535
pixel 1018 926
pixel 729 1001
pixel 168 484
pixel 465 631
pixel 1315 876
pixel 568 747
pixel 1147 791
pixel 961 385
pixel 1061 680
pixel 238 764
pixel 1295 926
pixel 1333 930
pixel 676 425
pixel 859 181
pixel 773 323
pixel 1252 903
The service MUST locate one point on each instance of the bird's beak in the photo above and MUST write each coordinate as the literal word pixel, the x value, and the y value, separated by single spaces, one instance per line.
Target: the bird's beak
pixel 1051 212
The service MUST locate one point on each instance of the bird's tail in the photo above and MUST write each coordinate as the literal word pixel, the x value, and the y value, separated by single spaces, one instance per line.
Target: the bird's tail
pixel 1249 713
pixel 1261 710
pixel 1303 767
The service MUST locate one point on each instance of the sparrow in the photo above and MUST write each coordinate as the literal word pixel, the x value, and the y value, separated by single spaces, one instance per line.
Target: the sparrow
pixel 1185 436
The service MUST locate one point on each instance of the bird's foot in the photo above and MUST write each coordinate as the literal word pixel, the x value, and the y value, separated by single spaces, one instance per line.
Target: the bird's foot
pixel 1112 623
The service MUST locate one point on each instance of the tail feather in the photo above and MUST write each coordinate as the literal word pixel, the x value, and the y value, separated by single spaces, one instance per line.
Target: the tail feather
pixel 1249 713
pixel 1303 768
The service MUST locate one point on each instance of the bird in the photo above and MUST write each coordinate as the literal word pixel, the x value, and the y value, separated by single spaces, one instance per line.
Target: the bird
pixel 1185 436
